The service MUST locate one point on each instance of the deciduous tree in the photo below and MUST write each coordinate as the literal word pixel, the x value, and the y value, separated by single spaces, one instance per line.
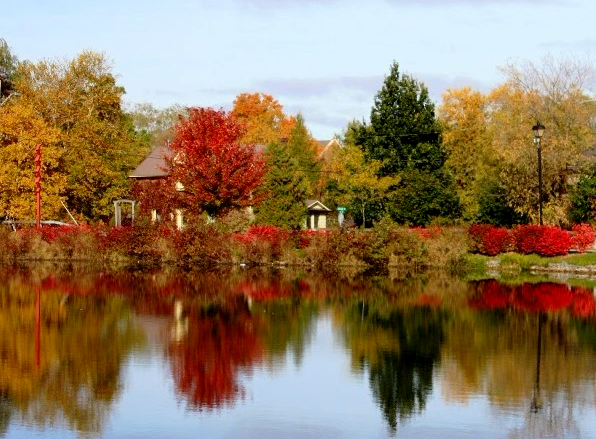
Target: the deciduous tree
pixel 463 115
pixel 81 99
pixel 216 171
pixel 358 182
pixel 262 117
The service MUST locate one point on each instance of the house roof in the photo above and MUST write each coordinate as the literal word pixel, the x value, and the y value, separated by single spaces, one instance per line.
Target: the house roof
pixel 326 149
pixel 316 205
pixel 154 165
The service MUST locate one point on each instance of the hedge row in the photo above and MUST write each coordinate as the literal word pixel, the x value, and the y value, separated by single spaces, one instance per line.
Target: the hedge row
pixel 542 240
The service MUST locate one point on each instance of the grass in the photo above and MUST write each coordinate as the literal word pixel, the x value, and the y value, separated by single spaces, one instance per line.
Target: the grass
pixel 527 261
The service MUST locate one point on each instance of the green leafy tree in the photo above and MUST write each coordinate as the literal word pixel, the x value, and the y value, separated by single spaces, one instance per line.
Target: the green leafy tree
pixel 155 123
pixel 358 181
pixel 286 189
pixel 8 65
pixel 423 196
pixel 403 132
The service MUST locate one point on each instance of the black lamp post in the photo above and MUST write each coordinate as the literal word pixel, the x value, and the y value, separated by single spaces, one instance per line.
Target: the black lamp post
pixel 538 132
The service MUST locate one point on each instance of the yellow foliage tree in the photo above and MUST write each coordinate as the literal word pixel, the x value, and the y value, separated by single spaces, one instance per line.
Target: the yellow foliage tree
pixel 82 101
pixel 20 131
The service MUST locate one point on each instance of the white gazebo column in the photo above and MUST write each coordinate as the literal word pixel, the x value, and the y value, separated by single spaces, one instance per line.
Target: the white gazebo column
pixel 179 223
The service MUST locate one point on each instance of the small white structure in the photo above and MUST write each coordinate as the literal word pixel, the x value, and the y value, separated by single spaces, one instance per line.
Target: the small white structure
pixel 316 217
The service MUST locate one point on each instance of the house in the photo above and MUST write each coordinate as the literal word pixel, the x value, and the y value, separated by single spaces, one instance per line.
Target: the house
pixel 327 149
pixel 154 167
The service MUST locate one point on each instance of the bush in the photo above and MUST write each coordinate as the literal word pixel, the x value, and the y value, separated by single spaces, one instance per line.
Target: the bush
pixel 489 240
pixel 261 244
pixel 448 249
pixel 526 238
pixel 542 240
pixel 583 237
pixel 553 242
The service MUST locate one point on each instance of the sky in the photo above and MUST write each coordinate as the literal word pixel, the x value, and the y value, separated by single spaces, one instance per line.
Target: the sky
pixel 323 58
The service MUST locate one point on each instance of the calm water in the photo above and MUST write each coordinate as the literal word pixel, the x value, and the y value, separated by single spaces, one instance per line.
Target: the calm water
pixel 249 354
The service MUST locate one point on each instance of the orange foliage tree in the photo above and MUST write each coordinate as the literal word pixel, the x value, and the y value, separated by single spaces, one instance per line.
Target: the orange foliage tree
pixel 263 118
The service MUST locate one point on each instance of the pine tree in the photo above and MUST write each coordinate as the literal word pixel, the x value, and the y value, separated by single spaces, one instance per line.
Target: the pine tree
pixel 286 189
pixel 302 148
pixel 404 136
pixel 403 131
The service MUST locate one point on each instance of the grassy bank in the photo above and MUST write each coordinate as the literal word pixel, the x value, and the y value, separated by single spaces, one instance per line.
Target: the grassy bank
pixel 520 262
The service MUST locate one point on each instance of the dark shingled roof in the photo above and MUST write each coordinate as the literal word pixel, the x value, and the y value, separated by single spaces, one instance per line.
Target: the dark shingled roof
pixel 154 165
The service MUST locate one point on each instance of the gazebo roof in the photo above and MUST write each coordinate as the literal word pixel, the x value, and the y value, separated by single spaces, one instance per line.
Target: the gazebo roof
pixel 317 206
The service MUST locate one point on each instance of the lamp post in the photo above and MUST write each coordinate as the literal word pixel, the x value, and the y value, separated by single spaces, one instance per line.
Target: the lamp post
pixel 538 132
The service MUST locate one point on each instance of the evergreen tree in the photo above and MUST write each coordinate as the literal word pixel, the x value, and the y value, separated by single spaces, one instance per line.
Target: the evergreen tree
pixel 403 131
pixel 302 148
pixel 404 135
pixel 286 189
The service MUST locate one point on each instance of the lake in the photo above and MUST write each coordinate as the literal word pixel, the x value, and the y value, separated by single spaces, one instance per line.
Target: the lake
pixel 247 353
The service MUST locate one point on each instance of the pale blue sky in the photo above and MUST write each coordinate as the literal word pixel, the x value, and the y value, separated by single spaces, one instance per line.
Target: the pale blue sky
pixel 324 58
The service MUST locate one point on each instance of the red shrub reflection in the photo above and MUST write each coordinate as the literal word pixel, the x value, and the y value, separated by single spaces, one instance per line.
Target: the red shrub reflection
pixel 543 297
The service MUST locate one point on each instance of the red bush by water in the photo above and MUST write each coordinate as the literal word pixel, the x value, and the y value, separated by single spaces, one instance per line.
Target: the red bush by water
pixel 583 237
pixel 553 242
pixel 489 240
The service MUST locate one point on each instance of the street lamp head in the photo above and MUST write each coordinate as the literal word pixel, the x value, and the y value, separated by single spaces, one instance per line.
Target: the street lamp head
pixel 538 130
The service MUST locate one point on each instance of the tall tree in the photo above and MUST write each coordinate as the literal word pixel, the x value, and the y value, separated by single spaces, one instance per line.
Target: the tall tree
pixel 403 131
pixel 466 140
pixel 286 189
pixel 21 130
pixel 553 92
pixel 490 142
pixel 81 99
pixel 157 124
pixel 303 149
pixel 404 135
pixel 262 117
pixel 358 183
pixel 218 173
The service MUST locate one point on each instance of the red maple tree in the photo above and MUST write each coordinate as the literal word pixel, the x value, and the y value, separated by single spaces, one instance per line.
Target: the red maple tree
pixel 217 173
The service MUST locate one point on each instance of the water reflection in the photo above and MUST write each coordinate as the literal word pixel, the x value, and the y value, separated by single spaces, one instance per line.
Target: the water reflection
pixel 61 356
pixel 399 348
pixel 66 338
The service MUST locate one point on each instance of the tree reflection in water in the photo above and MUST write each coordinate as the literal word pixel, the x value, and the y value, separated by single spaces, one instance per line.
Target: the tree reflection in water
pixel 484 339
pixel 63 364
pixel 536 360
pixel 399 348
pixel 220 343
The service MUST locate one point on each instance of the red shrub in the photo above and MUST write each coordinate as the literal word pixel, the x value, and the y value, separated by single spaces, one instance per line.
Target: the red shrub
pixel 270 234
pixel 583 237
pixel 489 240
pixel 553 242
pixel 526 238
